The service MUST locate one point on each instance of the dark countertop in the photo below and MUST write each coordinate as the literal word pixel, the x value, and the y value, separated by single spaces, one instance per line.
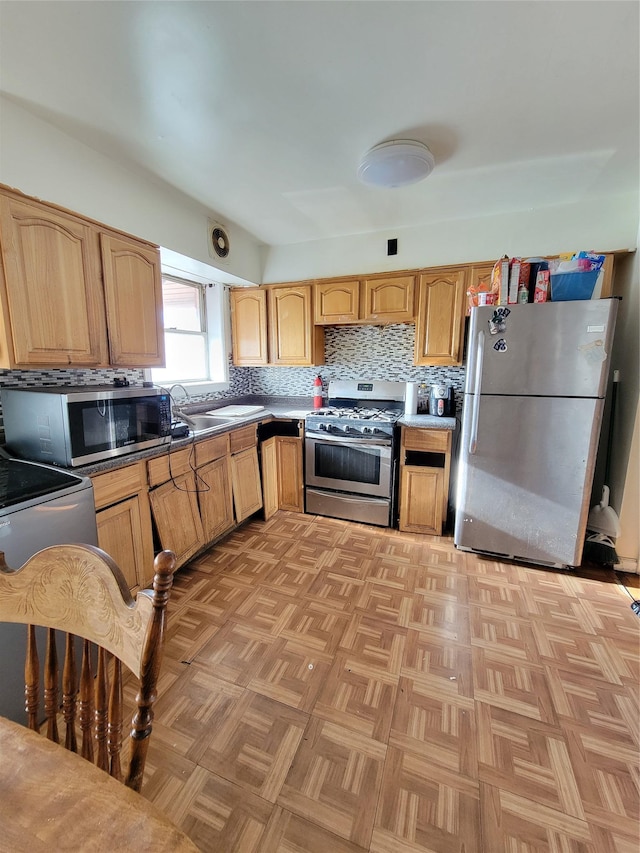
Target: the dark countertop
pixel 427 422
pixel 285 408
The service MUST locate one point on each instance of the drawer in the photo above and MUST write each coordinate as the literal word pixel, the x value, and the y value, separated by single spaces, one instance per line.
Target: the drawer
pixel 181 462
pixel 436 440
pixel 211 449
pixel 118 484
pixel 241 439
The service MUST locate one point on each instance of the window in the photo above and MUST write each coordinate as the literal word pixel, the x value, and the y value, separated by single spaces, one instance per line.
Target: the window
pixel 193 333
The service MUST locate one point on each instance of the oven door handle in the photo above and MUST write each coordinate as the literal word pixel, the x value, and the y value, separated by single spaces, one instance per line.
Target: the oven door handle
pixel 360 499
pixel 371 442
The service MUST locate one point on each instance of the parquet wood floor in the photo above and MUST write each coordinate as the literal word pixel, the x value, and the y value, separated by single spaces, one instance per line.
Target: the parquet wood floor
pixel 337 688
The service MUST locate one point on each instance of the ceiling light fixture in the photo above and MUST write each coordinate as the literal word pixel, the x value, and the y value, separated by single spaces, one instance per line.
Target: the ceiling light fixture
pixel 396 163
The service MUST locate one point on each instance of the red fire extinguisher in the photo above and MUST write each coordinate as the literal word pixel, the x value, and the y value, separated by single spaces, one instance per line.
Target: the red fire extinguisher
pixel 317 393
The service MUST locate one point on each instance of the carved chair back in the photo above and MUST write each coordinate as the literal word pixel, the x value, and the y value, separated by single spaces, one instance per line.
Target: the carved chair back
pixel 79 590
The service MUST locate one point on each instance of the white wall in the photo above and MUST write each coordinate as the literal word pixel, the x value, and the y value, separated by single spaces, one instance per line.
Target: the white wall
pixel 40 160
pixel 607 224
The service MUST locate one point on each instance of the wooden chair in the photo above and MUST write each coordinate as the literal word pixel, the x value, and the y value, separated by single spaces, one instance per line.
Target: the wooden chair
pixel 78 589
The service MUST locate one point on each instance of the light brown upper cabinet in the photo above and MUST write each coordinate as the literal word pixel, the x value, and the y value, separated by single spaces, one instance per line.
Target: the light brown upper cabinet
pixel 337 301
pixel 133 298
pixel 286 312
pixel 479 279
pixel 52 307
pixel 388 299
pixel 440 320
pixel 73 294
pixel 378 299
pixel 249 326
pixel 293 339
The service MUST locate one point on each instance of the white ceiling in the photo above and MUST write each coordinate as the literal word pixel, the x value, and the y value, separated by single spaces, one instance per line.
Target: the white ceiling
pixel 261 110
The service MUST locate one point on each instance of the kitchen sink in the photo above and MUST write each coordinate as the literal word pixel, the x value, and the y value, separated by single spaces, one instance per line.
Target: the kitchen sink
pixel 204 423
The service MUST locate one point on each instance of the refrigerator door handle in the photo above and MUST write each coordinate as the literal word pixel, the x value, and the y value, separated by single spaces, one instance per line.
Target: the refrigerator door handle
pixel 475 414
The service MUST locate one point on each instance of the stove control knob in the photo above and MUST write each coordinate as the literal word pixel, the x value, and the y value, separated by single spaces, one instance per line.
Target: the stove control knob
pixel 368 430
pixel 322 427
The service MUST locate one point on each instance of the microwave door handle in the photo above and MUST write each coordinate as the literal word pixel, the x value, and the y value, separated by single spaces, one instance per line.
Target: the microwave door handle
pixel 475 412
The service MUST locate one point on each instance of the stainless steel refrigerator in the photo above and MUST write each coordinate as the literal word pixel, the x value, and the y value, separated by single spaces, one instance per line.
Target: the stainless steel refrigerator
pixel 534 397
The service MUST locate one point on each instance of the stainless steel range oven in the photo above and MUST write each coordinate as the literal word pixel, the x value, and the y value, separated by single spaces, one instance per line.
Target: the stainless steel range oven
pixel 350 452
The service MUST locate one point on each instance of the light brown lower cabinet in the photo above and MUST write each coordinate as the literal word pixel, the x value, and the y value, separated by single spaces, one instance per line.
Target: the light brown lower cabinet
pixel 191 496
pixel 269 459
pixel 213 479
pixel 425 464
pixel 290 487
pixel 174 503
pixel 177 516
pixel 216 503
pixel 282 485
pixel 421 491
pixel 123 518
pixel 247 487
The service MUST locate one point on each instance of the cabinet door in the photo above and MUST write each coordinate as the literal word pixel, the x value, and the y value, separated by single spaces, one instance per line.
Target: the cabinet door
pixel 479 280
pixel 269 476
pixel 120 535
pixel 247 489
pixel 336 301
pixel 249 326
pixel 214 497
pixel 421 499
pixel 292 337
pixel 124 520
pixel 389 299
pixel 437 443
pixel 53 305
pixel 133 297
pixel 289 464
pixel 440 320
pixel 211 449
pixel 177 516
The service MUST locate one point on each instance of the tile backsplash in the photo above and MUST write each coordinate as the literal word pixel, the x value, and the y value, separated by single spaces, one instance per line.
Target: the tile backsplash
pixel 357 352
pixel 351 352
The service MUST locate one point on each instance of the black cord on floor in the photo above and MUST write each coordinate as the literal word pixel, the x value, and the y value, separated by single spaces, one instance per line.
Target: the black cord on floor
pixel 635 603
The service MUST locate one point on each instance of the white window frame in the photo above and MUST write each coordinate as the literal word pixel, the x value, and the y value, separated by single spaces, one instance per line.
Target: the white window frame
pixel 219 341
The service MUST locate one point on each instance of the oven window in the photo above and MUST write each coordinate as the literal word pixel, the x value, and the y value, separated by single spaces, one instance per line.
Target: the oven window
pixel 355 464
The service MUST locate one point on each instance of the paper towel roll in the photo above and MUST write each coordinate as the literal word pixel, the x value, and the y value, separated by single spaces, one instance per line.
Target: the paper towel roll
pixel 411 398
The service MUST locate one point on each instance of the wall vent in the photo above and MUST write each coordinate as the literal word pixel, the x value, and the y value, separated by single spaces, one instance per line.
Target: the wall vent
pixel 218 242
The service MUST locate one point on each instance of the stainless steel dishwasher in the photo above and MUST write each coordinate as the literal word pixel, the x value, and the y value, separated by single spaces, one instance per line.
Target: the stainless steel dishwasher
pixel 39 506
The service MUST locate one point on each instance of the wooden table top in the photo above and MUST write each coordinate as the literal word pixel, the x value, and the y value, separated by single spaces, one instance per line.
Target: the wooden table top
pixel 51 799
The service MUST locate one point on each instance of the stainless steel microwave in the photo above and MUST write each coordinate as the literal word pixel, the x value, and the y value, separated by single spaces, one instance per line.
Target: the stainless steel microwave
pixel 78 425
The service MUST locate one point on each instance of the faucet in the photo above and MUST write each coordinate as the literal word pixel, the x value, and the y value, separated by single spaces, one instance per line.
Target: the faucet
pixel 175 409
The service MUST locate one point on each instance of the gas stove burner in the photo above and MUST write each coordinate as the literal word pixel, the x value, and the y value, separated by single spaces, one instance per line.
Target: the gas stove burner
pixel 355 413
